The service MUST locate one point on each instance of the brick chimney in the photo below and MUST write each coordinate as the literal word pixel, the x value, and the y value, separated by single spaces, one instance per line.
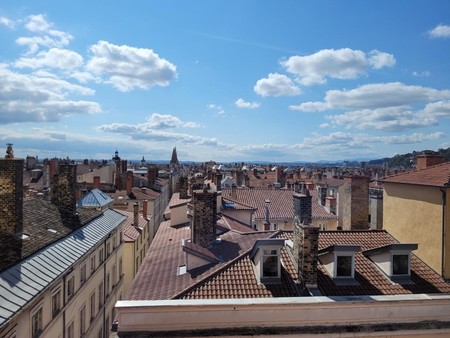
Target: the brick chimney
pixel 96 183
pixel 234 192
pixel 67 186
pixel 218 181
pixel 239 178
pixel 322 195
pixel 354 194
pixel 129 181
pixel 136 214
pixel 184 184
pixel 152 175
pixel 204 217
pixel 426 160
pixel 11 194
pixel 306 243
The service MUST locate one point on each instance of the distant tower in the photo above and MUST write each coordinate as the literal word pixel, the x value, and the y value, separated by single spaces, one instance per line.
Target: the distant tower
pixel 174 164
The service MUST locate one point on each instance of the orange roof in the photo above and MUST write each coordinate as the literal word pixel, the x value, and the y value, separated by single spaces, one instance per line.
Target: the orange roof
pixel 437 176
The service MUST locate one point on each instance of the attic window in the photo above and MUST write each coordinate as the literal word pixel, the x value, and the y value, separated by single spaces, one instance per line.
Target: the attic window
pixel 339 260
pixel 181 270
pixel 266 260
pixel 393 259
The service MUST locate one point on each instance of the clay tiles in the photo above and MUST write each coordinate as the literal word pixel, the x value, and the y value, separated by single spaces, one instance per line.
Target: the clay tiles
pixel 437 175
pixel 130 233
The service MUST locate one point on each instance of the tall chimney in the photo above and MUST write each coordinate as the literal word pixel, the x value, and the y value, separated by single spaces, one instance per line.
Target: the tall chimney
pixel 219 181
pixel 204 218
pixel 354 194
pixel 129 181
pixel 322 195
pixel 152 174
pixel 234 192
pixel 67 185
pixel 183 183
pixel 96 183
pixel 11 193
pixel 306 243
pixel 136 214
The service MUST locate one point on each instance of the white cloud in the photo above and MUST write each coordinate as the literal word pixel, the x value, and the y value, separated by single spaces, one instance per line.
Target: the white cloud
pixel 276 85
pixel 218 109
pixel 373 96
pixel 128 68
pixel 38 98
pixel 45 35
pixel 425 73
pixel 241 103
pixel 53 58
pixel 342 63
pixel 7 22
pixel 440 31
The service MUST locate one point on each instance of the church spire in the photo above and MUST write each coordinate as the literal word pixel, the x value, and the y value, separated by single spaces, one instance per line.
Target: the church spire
pixel 174 159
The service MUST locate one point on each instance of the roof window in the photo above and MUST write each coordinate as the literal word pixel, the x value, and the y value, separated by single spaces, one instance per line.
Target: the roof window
pixel 265 256
pixel 393 259
pixel 339 261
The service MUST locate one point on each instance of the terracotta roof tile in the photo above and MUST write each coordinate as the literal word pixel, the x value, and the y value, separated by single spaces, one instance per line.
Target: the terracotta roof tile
pixel 437 175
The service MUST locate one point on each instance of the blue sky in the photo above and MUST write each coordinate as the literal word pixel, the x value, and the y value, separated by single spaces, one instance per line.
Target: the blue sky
pixel 225 80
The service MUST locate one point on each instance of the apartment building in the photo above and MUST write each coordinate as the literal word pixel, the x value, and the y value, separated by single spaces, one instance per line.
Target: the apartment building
pixel 417 209
pixel 61 268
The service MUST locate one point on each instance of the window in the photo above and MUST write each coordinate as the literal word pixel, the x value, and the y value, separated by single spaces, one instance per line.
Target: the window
pixel 344 266
pixel 70 331
pixel 108 248
pixel 92 314
pixel 400 265
pixel 100 295
pixel 121 237
pixel 82 320
pixel 114 242
pixel 36 323
pixel 83 274
pixel 114 276
pixel 100 256
pixel 107 284
pixel 120 268
pixel 56 302
pixel 92 264
pixel 70 287
pixel 100 333
pixel 137 265
pixel 270 263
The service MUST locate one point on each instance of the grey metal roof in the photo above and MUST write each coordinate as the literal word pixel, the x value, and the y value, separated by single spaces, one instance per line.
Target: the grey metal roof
pixel 94 198
pixel 25 280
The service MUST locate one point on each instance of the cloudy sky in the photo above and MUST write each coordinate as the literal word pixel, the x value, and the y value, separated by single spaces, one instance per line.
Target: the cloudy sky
pixel 225 80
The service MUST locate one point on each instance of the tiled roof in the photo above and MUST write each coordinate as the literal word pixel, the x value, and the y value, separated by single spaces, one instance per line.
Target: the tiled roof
pixel 176 200
pixel 38 217
pixel 144 193
pixel 281 203
pixel 158 279
pixel 130 233
pixel 437 175
pixel 230 223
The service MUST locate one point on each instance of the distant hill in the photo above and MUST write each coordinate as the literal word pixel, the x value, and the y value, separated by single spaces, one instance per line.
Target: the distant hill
pixel 409 160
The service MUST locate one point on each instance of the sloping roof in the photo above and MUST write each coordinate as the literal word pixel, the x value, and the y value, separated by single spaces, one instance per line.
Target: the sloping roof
pixel 130 233
pixel 44 223
pixel 94 198
pixel 437 175
pixel 27 279
pixel 281 202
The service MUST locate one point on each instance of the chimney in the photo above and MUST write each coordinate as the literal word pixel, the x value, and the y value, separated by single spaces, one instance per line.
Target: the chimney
pixel 303 207
pixel 129 182
pixel 354 194
pixel 183 183
pixel 96 184
pixel 239 178
pixel 136 214
pixel 152 174
pixel 234 192
pixel 267 214
pixel 322 195
pixel 219 181
pixel 306 243
pixel 427 159
pixel 11 193
pixel 204 217
pixel 66 187
pixel 144 209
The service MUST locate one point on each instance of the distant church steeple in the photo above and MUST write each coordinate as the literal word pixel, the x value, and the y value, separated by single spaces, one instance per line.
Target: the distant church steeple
pixel 116 156
pixel 174 159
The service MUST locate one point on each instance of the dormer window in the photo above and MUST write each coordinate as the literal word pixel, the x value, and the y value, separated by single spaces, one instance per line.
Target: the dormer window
pixel 339 260
pixel 393 259
pixel 266 260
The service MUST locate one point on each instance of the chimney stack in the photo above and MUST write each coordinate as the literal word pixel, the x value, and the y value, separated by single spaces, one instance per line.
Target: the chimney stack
pixel 96 183
pixel 183 183
pixel 136 214
pixel 234 192
pixel 427 159
pixel 354 194
pixel 144 209
pixel 152 175
pixel 67 186
pixel 11 193
pixel 204 218
pixel 218 181
pixel 306 243
pixel 129 182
